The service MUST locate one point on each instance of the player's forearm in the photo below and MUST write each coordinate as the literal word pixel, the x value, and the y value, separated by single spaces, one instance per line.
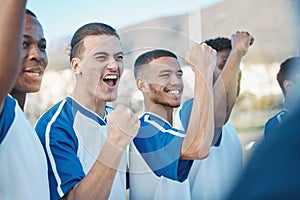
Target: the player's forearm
pixel 225 89
pixel 11 21
pixel 199 134
pixel 97 183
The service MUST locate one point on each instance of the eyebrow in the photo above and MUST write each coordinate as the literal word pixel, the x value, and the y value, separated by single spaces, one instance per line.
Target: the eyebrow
pixel 167 70
pixel 106 54
pixel 30 37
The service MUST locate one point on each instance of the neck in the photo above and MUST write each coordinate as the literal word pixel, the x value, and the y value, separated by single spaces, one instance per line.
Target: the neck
pixel 291 101
pixel 19 96
pixel 89 102
pixel 164 112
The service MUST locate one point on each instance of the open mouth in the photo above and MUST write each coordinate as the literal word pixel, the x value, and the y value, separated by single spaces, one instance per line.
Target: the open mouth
pixel 34 72
pixel 111 79
pixel 175 92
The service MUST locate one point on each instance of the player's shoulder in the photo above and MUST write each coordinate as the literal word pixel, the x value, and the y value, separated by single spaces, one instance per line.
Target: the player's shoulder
pixel 7 116
pixel 59 113
pixel 274 122
pixel 278 117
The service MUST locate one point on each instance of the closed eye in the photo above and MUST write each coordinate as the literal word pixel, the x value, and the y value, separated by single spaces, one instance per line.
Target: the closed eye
pixel 101 58
pixel 119 58
pixel 164 75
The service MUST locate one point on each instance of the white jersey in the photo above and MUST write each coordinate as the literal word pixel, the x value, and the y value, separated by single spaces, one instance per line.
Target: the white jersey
pixel 213 177
pixel 23 173
pixel 73 137
pixel 146 185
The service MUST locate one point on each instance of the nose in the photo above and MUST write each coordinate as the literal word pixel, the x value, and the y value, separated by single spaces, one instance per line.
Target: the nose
pixel 113 66
pixel 36 54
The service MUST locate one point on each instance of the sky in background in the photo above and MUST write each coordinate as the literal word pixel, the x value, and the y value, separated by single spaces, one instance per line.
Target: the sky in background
pixel 63 17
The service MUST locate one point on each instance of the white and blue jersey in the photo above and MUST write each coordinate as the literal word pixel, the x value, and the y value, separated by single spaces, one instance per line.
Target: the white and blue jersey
pixel 160 145
pixel 273 123
pixel 156 171
pixel 214 176
pixel 23 173
pixel 73 137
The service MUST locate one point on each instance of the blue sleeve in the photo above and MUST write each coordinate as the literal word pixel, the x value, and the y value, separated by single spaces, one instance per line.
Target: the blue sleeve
pixel 7 116
pixel 161 150
pixel 64 167
pixel 185 113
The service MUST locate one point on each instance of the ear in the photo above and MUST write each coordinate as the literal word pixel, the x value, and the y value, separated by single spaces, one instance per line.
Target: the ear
pixel 288 86
pixel 76 66
pixel 141 85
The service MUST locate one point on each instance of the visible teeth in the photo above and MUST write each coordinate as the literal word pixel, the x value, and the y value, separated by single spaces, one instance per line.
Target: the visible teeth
pixel 35 73
pixel 111 77
pixel 174 92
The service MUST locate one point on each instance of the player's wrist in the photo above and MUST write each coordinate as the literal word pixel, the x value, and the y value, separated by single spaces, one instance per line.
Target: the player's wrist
pixel 238 52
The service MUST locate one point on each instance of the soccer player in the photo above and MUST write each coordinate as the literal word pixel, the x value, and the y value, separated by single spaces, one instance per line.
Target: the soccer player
pixel 84 139
pixel 288 78
pixel 161 155
pixel 23 173
pixel 214 176
pixel 34 59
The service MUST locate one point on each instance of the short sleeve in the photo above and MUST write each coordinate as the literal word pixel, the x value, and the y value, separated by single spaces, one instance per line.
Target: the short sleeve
pixel 185 113
pixel 160 146
pixel 60 144
pixel 65 166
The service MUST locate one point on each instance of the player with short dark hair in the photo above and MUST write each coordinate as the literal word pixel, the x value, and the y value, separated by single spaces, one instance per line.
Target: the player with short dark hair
pixel 85 140
pixel 161 154
pixel 288 78
pixel 23 173
pixel 34 59
pixel 225 161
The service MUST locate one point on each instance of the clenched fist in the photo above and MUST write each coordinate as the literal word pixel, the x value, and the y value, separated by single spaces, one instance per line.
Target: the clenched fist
pixel 122 125
pixel 241 41
pixel 202 58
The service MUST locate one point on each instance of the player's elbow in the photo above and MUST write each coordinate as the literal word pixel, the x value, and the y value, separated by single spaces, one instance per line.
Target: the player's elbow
pixel 195 153
pixel 203 153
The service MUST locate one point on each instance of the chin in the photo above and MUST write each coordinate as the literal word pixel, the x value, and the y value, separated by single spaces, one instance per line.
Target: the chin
pixel 176 106
pixel 26 90
pixel 111 98
pixel 33 90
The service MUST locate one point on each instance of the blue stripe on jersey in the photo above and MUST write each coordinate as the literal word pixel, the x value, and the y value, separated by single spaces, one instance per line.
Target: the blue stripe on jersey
pixel 61 145
pixel 185 114
pixel 7 116
pixel 161 149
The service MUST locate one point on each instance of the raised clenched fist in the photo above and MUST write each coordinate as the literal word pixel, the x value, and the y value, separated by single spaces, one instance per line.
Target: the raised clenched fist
pixel 202 58
pixel 241 41
pixel 122 125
